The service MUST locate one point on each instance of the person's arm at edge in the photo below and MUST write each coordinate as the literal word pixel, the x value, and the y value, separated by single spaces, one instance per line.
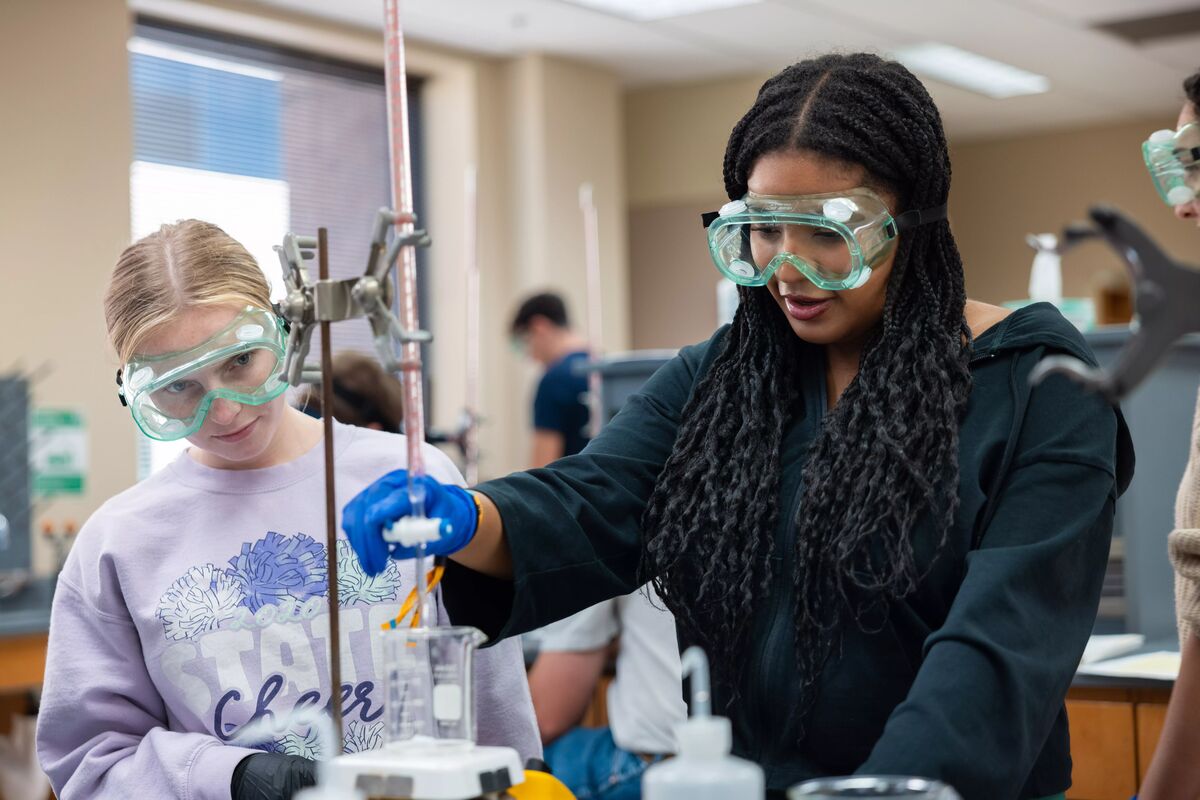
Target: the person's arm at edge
pixel 548 446
pixel 487 552
pixel 549 422
pixel 1175 771
pixel 562 685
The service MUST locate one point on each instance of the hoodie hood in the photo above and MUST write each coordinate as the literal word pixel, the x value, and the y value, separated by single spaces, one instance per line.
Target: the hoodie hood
pixel 1042 327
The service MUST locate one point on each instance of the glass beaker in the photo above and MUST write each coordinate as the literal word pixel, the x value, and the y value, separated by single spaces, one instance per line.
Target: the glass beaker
pixel 880 787
pixel 429 674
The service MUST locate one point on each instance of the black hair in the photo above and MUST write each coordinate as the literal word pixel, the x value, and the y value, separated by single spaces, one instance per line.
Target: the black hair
pixel 546 304
pixel 886 455
pixel 1191 89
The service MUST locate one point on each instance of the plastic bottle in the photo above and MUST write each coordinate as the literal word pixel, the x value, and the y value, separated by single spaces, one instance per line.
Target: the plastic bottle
pixel 1045 279
pixel 727 301
pixel 703 768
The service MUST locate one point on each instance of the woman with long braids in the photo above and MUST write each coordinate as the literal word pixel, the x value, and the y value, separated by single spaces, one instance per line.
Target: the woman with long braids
pixel 889 543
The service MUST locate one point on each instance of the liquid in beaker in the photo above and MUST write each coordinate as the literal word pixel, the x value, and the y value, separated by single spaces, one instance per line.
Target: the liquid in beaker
pixel 430 692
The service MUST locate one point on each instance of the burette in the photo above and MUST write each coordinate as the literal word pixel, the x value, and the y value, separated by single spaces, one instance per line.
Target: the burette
pixel 399 152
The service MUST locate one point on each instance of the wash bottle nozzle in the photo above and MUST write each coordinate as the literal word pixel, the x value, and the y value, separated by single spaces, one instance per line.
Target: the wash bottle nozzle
pixel 704 769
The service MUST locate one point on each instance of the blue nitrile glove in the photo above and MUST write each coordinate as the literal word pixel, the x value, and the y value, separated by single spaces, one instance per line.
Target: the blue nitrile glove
pixel 384 502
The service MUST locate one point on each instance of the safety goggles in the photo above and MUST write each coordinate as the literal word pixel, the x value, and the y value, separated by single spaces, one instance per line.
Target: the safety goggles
pixel 169 395
pixel 1173 159
pixel 833 239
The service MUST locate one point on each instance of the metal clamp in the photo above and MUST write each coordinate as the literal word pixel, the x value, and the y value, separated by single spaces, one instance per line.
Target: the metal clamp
pixel 1166 305
pixel 309 302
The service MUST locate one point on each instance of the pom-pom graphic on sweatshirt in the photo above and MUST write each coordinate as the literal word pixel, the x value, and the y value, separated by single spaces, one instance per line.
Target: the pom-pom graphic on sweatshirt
pixel 199 602
pixel 272 570
pixel 278 567
pixel 359 738
pixel 299 743
pixel 356 586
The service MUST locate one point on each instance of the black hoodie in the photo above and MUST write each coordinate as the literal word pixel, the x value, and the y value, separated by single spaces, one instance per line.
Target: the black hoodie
pixel 965 682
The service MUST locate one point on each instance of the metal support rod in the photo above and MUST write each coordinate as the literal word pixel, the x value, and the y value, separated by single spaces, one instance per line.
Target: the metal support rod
pixel 591 241
pixel 335 639
pixel 396 89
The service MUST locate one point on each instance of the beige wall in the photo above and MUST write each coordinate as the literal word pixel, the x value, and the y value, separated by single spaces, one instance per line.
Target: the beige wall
pixel 564 118
pixel 65 148
pixel 1002 190
pixel 536 127
pixel 673 285
pixel 1005 189
pixel 675 140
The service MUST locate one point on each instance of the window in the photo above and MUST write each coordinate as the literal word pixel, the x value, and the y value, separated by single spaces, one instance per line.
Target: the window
pixel 259 141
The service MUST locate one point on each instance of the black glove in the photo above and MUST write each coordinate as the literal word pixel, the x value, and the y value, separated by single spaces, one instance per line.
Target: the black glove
pixel 272 776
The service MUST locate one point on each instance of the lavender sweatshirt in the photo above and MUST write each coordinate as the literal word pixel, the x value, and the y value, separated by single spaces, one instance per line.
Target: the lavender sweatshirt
pixel 196 601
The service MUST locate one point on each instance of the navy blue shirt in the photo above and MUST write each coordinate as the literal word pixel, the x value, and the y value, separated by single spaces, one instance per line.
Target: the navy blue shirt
pixel 560 403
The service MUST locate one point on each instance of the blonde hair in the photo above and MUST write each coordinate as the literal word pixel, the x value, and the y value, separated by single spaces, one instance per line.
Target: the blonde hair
pixel 182 265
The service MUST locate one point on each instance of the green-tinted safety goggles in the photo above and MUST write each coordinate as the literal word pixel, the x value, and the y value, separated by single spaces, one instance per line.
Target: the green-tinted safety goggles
pixel 1173 160
pixel 169 395
pixel 832 239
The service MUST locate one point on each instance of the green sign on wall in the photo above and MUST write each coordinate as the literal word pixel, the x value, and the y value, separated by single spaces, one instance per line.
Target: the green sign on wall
pixel 58 451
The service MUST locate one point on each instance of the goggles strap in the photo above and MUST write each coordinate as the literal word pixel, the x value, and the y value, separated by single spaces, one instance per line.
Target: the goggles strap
pixel 283 320
pixel 906 221
pixel 121 389
pixel 917 217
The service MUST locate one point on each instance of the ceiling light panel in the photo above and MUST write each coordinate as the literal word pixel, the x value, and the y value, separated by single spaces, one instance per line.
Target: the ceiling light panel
pixel 647 10
pixel 971 71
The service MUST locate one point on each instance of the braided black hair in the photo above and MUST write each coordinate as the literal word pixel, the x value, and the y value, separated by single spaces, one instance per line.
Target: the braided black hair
pixel 1191 89
pixel 888 452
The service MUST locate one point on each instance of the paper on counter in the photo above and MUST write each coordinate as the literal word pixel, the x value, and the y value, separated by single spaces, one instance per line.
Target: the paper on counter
pixel 1100 648
pixel 1162 665
pixel 20 773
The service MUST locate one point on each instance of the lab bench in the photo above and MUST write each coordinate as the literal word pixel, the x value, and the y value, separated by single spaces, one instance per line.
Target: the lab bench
pixel 1114 731
pixel 1116 723
pixel 24 626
